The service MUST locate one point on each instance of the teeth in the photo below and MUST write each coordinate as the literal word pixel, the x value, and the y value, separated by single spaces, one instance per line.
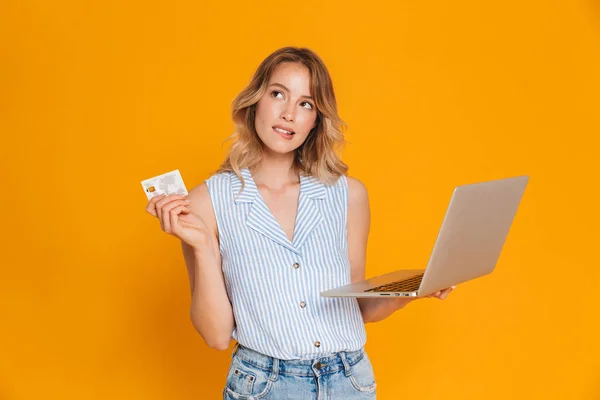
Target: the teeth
pixel 283 131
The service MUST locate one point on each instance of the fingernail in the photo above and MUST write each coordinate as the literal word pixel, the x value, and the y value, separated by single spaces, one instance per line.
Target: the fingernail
pixel 453 287
pixel 187 201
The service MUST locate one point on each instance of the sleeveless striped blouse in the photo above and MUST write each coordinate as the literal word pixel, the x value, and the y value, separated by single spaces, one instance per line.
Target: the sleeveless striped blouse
pixel 273 283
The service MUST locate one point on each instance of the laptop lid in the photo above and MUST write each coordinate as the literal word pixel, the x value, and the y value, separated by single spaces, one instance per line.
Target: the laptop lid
pixel 473 232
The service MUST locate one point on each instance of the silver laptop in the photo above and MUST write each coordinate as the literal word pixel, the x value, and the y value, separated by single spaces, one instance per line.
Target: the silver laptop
pixel 468 245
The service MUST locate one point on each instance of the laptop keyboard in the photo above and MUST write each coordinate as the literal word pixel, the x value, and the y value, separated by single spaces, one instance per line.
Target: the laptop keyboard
pixel 406 285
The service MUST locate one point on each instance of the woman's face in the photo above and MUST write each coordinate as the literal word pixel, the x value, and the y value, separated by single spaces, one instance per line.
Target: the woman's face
pixel 286 113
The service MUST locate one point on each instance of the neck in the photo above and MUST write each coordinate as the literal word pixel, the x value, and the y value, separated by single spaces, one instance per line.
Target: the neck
pixel 275 171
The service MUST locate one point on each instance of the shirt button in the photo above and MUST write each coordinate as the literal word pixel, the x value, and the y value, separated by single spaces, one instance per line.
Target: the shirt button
pixel 302 304
pixel 317 344
pixel 296 265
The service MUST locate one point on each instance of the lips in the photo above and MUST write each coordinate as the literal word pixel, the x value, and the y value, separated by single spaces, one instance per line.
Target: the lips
pixel 283 129
pixel 281 133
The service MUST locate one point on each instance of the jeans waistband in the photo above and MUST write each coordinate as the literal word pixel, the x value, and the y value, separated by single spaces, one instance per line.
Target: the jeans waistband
pixel 331 363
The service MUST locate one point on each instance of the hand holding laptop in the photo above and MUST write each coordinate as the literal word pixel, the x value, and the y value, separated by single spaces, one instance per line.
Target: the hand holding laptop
pixel 468 245
pixel 401 301
pixel 440 294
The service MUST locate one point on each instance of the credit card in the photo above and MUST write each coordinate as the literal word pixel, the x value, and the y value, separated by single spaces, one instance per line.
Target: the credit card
pixel 167 183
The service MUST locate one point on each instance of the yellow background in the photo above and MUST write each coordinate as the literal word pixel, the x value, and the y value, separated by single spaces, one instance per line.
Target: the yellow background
pixel 96 96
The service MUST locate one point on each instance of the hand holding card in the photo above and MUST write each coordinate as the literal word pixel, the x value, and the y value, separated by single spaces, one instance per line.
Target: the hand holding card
pixel 167 201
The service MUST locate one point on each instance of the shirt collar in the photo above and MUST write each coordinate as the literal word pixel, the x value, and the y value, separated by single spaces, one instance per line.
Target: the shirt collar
pixel 309 185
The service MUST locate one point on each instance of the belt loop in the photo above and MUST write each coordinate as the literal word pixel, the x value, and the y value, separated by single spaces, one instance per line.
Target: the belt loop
pixel 347 371
pixel 275 370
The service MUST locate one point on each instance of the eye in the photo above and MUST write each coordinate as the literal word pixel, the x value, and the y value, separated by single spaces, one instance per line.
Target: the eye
pixel 275 92
pixel 310 106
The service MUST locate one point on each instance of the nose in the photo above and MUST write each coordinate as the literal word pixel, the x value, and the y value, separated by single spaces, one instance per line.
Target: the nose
pixel 288 113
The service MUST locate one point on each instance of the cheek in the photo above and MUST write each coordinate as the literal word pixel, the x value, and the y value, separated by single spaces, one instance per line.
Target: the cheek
pixel 265 109
pixel 307 123
pixel 259 111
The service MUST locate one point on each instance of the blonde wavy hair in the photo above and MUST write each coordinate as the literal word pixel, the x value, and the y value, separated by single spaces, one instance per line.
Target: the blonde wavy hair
pixel 317 156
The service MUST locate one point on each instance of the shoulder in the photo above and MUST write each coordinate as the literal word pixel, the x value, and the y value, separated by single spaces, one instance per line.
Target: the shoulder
pixel 200 199
pixel 359 213
pixel 357 191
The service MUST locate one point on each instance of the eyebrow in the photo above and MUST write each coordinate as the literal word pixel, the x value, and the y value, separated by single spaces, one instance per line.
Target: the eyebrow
pixel 282 86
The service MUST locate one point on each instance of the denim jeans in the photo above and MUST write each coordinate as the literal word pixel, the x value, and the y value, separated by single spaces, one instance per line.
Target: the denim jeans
pixel 343 375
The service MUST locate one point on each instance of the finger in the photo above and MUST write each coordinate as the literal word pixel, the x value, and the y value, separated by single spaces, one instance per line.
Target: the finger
pixel 170 197
pixel 166 211
pixel 167 199
pixel 445 293
pixel 175 203
pixel 164 199
pixel 174 222
pixel 161 203
pixel 151 207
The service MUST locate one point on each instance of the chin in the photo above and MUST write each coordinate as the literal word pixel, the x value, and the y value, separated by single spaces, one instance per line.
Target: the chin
pixel 276 146
pixel 279 150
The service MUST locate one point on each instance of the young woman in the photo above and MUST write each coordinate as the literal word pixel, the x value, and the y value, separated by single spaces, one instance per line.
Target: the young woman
pixel 277 224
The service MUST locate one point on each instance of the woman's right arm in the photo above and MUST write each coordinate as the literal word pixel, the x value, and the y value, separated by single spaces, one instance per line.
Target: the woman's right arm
pixel 194 223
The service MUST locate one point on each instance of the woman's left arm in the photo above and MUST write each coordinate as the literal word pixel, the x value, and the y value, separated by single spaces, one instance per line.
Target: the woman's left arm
pixel 359 221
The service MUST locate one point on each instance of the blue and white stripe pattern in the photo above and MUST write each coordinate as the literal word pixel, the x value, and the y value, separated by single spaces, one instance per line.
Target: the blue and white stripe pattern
pixel 274 283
